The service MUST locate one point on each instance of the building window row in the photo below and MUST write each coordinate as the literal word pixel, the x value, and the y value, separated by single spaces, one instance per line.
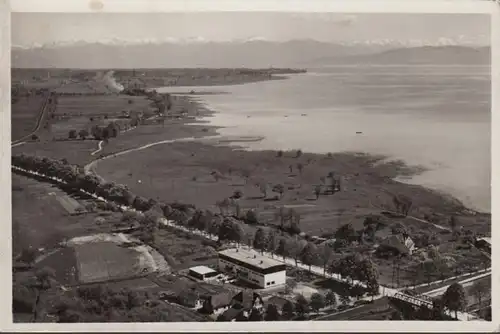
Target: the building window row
pixel 244 268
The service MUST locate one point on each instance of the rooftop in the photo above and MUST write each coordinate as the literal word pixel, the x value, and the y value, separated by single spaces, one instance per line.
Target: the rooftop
pixel 202 270
pixel 251 257
pixel 487 239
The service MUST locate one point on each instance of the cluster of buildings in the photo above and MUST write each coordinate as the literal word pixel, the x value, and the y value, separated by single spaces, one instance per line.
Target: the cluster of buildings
pixel 246 265
pixel 226 302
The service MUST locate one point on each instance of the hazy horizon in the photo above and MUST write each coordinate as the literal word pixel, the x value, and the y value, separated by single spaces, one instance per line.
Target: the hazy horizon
pixel 30 29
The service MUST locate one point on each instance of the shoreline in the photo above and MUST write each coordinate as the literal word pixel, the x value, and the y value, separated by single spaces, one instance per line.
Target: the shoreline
pixel 400 169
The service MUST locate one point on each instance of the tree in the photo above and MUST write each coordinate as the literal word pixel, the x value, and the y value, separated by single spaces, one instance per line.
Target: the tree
pixel 298 154
pixel 281 216
pixel 344 299
pixel 251 217
pixel 237 194
pixel 231 231
pixel 346 232
pixel 288 310
pixel 272 313
pixel 43 282
pixel 429 269
pixel 295 248
pixel 301 305
pixel 264 188
pixel 290 285
pixel 339 244
pixel 282 248
pixel 246 175
pixel 272 243
pixel 398 228
pixel 480 289
pixel 453 222
pixel 259 241
pixel 72 134
pixel 309 254
pixel 279 188
pixel 402 204
pixel 331 298
pixel 317 191
pixel 300 168
pixel 454 298
pixel 34 137
pixel 28 255
pixel 317 301
pixel 326 256
pixel 83 134
pixel 255 315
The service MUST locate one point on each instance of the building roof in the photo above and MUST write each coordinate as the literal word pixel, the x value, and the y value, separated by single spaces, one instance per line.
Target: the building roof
pixel 279 302
pixel 251 257
pixel 402 244
pixel 486 239
pixel 231 314
pixel 202 270
pixel 220 300
pixel 246 299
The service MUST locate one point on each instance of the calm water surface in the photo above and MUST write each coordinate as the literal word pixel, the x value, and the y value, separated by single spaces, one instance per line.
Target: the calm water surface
pixel 434 116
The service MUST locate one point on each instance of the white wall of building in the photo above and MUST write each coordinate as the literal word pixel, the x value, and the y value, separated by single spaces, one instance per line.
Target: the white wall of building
pixel 275 279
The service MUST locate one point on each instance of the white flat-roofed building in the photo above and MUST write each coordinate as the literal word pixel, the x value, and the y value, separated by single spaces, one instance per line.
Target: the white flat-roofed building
pixel 253 267
pixel 202 272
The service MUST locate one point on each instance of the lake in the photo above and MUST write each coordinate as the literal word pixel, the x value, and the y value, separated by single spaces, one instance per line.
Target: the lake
pixel 438 117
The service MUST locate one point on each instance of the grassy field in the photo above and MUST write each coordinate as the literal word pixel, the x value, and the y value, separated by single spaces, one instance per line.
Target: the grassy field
pixel 39 220
pixel 24 115
pixel 105 261
pixel 187 179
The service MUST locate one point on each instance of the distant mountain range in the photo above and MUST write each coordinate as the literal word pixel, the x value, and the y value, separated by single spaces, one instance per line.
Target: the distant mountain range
pixel 248 53
pixel 435 55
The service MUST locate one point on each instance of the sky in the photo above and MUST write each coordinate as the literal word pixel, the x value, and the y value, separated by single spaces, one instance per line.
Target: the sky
pixel 43 28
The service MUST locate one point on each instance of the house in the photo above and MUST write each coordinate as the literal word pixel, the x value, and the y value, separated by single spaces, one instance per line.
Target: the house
pixel 484 243
pixel 218 303
pixel 279 302
pixel 190 298
pixel 233 314
pixel 400 243
pixel 248 300
pixel 252 267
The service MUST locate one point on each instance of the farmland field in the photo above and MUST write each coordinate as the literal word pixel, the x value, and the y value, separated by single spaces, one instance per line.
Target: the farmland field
pixel 24 115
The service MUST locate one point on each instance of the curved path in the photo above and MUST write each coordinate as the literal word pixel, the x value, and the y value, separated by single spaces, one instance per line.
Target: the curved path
pixel 91 166
pixel 99 148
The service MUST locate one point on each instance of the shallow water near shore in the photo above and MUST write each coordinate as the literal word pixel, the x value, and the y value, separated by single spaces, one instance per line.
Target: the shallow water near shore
pixel 437 117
